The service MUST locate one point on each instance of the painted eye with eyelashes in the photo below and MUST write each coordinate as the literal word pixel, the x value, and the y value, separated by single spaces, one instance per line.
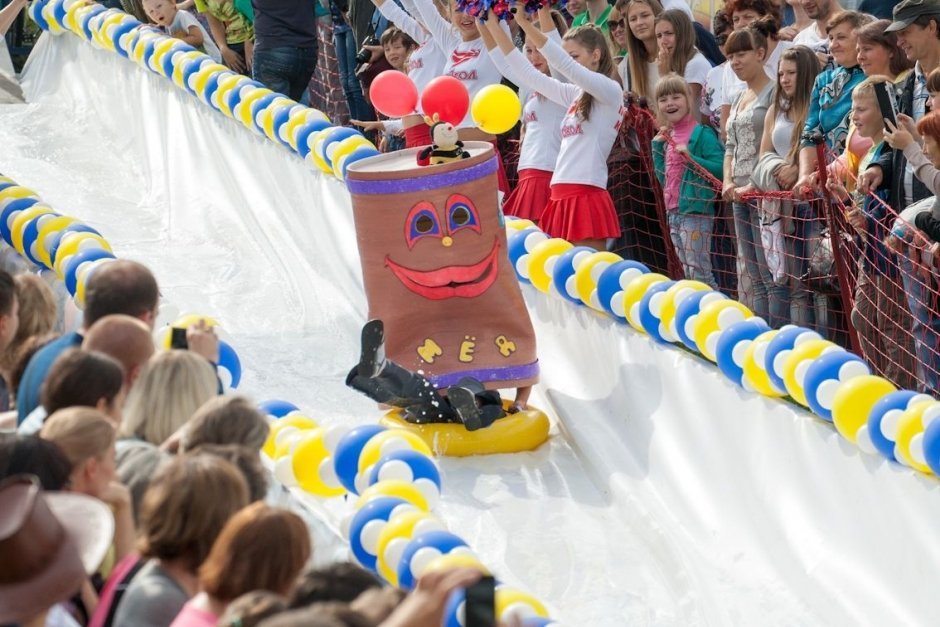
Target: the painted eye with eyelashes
pixel 421 222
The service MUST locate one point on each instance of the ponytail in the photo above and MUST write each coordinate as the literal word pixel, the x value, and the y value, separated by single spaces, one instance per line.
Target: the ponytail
pixel 592 38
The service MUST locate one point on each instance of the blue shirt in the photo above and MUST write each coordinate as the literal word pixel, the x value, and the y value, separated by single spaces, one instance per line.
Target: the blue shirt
pixel 27 395
pixel 830 105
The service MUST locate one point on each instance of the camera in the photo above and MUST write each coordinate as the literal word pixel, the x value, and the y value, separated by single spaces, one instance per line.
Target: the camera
pixel 364 55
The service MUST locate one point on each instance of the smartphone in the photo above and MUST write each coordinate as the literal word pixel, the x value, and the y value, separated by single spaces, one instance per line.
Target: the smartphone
pixel 886 102
pixel 178 338
pixel 480 603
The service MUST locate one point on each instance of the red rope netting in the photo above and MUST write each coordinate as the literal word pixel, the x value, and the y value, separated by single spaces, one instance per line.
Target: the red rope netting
pixel 819 263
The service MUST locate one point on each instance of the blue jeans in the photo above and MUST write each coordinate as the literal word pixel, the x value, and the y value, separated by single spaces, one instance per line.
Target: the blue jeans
pixel 925 326
pixel 286 70
pixel 807 308
pixel 346 49
pixel 768 300
pixel 691 235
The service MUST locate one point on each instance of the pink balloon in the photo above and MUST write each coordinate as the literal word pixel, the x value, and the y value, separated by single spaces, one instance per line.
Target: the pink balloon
pixel 447 97
pixel 394 94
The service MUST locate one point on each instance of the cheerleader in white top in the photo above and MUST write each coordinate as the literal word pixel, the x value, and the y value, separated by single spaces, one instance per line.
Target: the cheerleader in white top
pixel 425 63
pixel 580 209
pixel 467 61
pixel 541 133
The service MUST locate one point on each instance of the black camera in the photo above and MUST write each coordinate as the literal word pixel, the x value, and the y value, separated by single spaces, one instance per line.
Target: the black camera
pixel 364 55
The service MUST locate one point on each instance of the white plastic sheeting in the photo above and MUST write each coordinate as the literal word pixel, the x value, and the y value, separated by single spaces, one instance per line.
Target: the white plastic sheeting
pixel 667 497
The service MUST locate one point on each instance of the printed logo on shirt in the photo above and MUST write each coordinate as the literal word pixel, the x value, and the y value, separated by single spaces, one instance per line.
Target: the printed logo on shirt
pixel 457 57
pixel 621 112
pixel 570 130
pixel 415 64
pixel 530 117
pixel 463 75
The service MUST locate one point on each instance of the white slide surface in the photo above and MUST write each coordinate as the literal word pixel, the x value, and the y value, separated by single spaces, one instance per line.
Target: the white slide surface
pixel 665 496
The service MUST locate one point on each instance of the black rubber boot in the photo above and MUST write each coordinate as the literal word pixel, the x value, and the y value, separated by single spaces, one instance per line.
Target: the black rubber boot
pixel 464 403
pixel 372 353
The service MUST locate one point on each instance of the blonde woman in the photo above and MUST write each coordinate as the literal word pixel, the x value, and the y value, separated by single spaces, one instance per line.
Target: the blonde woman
pixel 86 437
pixel 642 49
pixel 167 393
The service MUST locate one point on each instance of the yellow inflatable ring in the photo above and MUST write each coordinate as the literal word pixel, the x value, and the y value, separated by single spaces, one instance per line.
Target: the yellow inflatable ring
pixel 513 433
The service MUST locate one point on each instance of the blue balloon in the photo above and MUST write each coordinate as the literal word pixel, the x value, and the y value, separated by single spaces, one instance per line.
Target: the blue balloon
pixel 212 84
pixel 338 135
pixel 228 360
pixel 379 509
pixel 147 56
pixel 823 377
pixel 422 467
pixel 9 213
pixel 360 153
pixel 563 272
pixel 58 12
pixel 168 64
pixel 690 306
pixel 932 446
pixel 279 119
pixel 35 12
pixel 452 610
pixel 442 541
pixel 781 345
pixel 31 232
pixel 257 106
pixel 611 283
pixel 890 407
pixel 5 184
pixel 277 408
pixel 52 245
pixel 520 243
pixel 648 320
pixel 729 350
pixel 346 458
pixel 71 267
pixel 121 30
pixel 190 69
pixel 234 97
pixel 304 131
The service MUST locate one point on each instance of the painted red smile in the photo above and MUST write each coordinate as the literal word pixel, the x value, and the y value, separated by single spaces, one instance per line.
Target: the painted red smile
pixel 449 281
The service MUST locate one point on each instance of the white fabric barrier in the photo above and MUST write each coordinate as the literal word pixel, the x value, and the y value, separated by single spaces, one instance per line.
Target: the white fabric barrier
pixel 667 497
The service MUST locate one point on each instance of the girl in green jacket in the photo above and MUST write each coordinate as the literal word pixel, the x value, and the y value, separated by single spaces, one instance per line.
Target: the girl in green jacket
pixel 688 193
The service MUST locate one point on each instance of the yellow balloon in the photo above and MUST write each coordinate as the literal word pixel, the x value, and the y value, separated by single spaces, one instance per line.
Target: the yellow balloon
pixel 15 192
pixel 799 359
pixel 394 487
pixel 21 220
pixel 755 376
pixel 342 148
pixel 293 421
pixel 540 271
pixel 313 465
pixel 395 536
pixel 712 320
pixel 671 301
pixel 226 85
pixel 82 279
pixel 518 224
pixel 159 51
pixel 909 445
pixel 587 274
pixel 178 67
pixel 387 441
pixel 49 227
pixel 634 293
pixel 314 155
pixel 73 243
pixel 509 599
pixel 853 401
pixel 299 116
pixel 267 115
pixel 450 561
pixel 495 109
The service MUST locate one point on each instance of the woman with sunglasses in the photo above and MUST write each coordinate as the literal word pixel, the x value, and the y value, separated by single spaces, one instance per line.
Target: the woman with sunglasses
pixel 617 35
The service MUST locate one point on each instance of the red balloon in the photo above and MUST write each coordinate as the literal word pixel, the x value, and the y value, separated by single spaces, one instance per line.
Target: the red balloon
pixel 448 98
pixel 394 94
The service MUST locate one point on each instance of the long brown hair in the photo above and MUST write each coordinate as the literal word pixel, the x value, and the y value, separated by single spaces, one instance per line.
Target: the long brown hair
pixel 637 56
pixel 685 39
pixel 874 34
pixel 797 107
pixel 592 38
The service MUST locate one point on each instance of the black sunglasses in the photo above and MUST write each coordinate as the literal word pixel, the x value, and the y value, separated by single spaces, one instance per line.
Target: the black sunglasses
pixel 614 24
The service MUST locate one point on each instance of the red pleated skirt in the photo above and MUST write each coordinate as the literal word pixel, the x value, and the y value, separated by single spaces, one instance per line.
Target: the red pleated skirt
pixel 418 136
pixel 531 196
pixel 580 212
